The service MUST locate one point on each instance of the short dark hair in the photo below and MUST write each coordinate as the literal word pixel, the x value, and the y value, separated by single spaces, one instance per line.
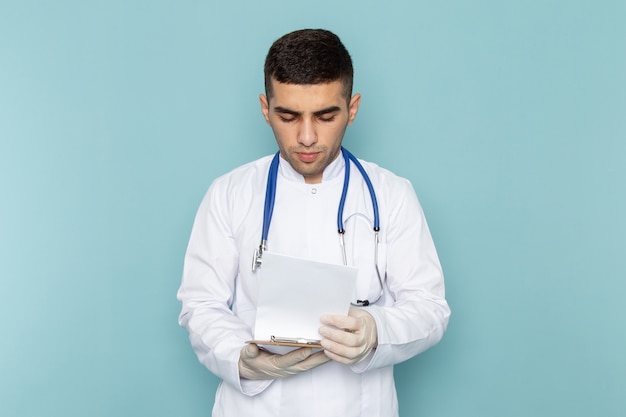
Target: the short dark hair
pixel 308 56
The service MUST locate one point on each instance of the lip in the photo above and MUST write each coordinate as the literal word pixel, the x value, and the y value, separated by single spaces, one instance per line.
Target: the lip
pixel 307 156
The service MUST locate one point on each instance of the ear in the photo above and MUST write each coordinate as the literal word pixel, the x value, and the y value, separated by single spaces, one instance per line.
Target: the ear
pixel 353 108
pixel 265 107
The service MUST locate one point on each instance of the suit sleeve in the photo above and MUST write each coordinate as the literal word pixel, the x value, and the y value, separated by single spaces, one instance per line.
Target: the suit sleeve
pixel 207 291
pixel 418 316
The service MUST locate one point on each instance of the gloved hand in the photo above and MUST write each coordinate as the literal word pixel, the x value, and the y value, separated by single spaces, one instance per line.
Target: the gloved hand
pixel 349 339
pixel 255 363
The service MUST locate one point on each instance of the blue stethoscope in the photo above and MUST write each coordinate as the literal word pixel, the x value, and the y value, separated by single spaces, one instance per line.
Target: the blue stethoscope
pixel 270 197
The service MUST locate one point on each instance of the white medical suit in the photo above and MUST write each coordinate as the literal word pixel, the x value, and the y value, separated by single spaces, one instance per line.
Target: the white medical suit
pixel 219 289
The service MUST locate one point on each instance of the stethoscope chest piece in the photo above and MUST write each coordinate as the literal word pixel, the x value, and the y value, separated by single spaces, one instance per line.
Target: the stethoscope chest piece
pixel 257 257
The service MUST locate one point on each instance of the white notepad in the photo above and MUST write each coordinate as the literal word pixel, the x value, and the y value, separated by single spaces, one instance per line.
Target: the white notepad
pixel 294 293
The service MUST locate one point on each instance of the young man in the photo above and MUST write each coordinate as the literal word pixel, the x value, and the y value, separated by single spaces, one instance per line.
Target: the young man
pixel 309 104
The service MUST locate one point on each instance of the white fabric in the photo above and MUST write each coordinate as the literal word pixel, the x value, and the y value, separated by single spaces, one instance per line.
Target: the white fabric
pixel 219 289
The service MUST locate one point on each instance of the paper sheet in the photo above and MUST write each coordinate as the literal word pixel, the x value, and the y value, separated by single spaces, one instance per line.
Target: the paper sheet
pixel 294 293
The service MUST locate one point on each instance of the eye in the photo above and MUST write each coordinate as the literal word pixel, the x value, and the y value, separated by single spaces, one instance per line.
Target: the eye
pixel 326 118
pixel 286 118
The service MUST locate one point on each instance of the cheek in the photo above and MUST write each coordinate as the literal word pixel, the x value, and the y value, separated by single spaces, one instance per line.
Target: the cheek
pixel 282 136
pixel 335 134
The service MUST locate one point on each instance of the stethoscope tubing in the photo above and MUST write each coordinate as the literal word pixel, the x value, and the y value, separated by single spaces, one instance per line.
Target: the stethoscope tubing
pixel 347 156
pixel 270 193
pixel 270 198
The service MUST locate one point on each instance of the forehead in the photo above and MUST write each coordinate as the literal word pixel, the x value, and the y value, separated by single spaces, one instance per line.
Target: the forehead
pixel 307 97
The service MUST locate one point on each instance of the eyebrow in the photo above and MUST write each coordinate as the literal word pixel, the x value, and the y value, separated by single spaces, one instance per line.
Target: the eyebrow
pixel 331 109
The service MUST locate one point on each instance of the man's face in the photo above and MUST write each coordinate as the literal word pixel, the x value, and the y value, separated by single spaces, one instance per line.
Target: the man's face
pixel 309 122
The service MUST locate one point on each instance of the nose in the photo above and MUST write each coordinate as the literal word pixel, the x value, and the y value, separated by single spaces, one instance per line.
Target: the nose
pixel 307 134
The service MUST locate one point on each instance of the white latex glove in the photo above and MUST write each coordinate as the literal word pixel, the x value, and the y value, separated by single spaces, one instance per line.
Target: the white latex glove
pixel 349 339
pixel 255 363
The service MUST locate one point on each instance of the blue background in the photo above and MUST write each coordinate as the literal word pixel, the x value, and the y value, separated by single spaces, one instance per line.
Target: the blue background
pixel 509 118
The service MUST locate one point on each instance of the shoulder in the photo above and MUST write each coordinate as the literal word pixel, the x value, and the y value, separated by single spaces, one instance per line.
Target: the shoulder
pixel 395 194
pixel 239 187
pixel 248 175
pixel 232 195
pixel 385 179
